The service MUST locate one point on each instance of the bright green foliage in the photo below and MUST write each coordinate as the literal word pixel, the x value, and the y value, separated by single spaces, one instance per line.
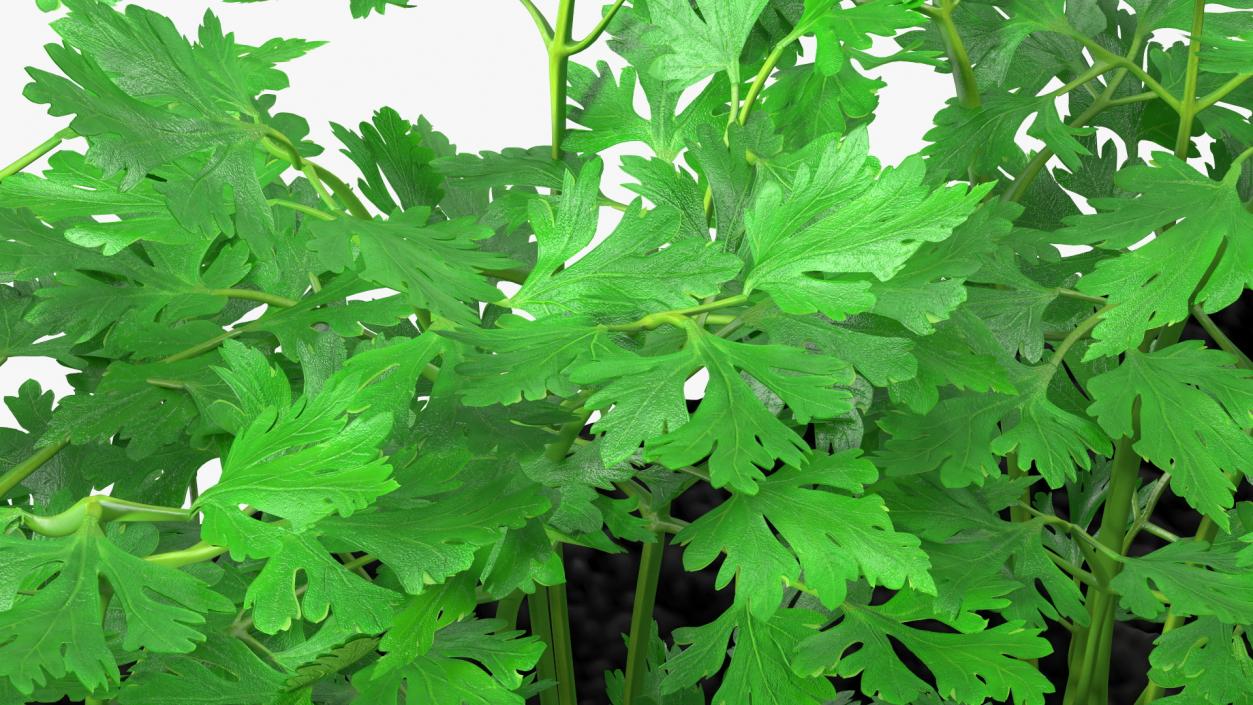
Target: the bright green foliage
pixel 875 405
pixel 837 218
pixel 1193 409
pixel 863 544
pixel 1153 285
pixel 968 665
pixel 53 627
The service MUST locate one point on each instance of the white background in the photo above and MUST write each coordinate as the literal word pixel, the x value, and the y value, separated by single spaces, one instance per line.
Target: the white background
pixel 475 68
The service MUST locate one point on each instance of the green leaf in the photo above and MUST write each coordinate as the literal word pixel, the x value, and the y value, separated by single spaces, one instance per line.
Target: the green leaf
pixel 394 154
pixel 839 219
pixel 426 541
pixel 56 630
pixel 527 359
pixel 731 426
pixel 1208 659
pixel 1193 409
pixel 124 72
pixel 1196 579
pixel 305 461
pixel 469 663
pixel 436 264
pixel 760 671
pixel 862 545
pixel 704 44
pixel 222 671
pixel 968 666
pixel 1154 284
pixel 642 266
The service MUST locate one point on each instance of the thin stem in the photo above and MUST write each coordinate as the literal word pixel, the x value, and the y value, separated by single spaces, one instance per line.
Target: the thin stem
pixel 1074 529
pixel 35 154
pixel 642 619
pixel 1141 519
pixel 598 30
pixel 254 295
pixel 1188 106
pixel 1100 52
pixel 562 646
pixel 1161 533
pixel 312 175
pixel 759 81
pixel 24 469
pixel 203 346
pixel 654 320
pixel 1019 188
pixel 337 185
pixel 1221 92
pixel 1227 344
pixel 1078 573
pixel 1079 295
pixel 541 22
pixel 1095 70
pixel 1059 353
pixel 302 208
pixel 959 58
pixel 1137 98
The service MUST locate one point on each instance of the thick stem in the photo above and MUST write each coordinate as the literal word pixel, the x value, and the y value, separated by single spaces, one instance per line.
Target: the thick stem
pixel 541 626
pixel 959 58
pixel 642 619
pixel 33 155
pixel 1187 105
pixel 558 70
pixel 199 553
pixel 563 647
pixel 1091 661
pixel 24 469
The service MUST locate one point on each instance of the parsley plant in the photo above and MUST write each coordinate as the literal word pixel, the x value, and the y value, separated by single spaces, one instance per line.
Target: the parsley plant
pixel 936 439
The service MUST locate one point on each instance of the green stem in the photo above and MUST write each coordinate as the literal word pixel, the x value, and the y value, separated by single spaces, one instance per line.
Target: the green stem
pixel 1059 353
pixel 558 71
pixel 1080 296
pixel 1221 338
pixel 959 58
pixel 642 619
pixel 1093 666
pixel 542 627
pixel 301 208
pixel 254 295
pixel 33 155
pixel 198 553
pixel 102 508
pixel 563 647
pixel 1221 92
pixel 340 189
pixel 598 30
pixel 541 22
pixel 759 81
pixel 654 320
pixel 24 469
pixel 203 346
pixel 1188 105
pixel 1101 53
pixel 1141 519
pixel 1096 70
pixel 507 608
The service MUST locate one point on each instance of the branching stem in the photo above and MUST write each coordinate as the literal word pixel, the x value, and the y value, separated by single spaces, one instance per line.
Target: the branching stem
pixel 35 154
